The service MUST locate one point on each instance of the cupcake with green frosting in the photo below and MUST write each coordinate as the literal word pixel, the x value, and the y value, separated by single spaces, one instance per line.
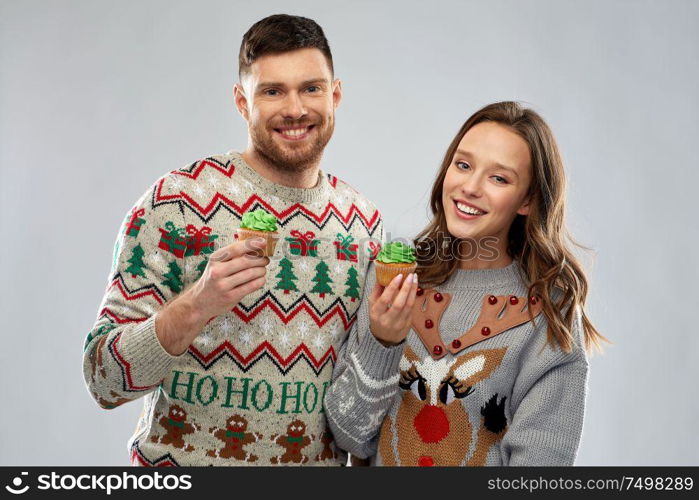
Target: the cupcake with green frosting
pixel 394 258
pixel 260 224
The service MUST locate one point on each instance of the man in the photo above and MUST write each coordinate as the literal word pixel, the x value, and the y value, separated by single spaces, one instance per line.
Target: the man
pixel 233 352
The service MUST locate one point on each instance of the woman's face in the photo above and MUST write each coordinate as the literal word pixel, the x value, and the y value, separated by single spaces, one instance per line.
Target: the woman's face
pixel 486 185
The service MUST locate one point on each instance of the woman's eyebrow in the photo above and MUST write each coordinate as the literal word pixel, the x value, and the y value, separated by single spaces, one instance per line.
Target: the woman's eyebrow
pixel 494 164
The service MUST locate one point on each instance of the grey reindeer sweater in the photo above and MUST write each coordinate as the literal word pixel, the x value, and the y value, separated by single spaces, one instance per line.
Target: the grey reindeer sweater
pixel 249 390
pixel 473 384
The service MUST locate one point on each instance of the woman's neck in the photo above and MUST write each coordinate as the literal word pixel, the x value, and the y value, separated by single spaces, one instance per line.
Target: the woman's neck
pixel 485 260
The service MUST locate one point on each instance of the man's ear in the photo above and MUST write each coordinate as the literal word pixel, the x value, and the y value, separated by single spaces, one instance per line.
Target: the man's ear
pixel 337 92
pixel 524 208
pixel 241 101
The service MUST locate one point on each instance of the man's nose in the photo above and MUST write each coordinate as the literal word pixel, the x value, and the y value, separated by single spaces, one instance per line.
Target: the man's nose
pixel 293 106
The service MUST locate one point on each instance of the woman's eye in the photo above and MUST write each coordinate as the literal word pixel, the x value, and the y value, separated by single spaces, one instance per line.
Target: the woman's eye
pixel 500 180
pixel 462 165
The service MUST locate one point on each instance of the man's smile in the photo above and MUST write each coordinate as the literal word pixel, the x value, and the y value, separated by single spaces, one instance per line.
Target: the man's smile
pixel 295 133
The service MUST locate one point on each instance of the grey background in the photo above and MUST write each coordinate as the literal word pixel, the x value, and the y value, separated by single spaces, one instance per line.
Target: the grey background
pixel 98 99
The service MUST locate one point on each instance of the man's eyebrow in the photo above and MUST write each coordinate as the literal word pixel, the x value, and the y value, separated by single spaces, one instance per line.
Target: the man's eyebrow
pixel 282 85
pixel 498 165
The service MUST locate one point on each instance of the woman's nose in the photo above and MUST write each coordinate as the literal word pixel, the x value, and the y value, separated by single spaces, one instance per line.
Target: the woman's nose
pixel 471 186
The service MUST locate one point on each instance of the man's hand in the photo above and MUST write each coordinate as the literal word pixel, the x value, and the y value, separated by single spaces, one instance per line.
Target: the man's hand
pixel 390 309
pixel 231 273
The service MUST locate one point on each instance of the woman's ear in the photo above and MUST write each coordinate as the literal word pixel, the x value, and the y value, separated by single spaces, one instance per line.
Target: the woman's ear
pixel 524 208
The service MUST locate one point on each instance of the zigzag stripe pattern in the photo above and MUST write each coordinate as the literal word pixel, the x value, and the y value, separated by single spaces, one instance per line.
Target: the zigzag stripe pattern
pixel 193 170
pixel 138 293
pixel 118 319
pixel 138 458
pixel 206 213
pixel 265 349
pixel 125 366
pixel 303 303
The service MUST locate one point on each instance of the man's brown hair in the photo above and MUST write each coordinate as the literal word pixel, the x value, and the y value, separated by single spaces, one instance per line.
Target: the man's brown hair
pixel 281 33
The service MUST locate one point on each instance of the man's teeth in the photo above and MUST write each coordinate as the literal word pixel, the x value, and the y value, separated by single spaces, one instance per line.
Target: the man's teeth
pixel 468 210
pixel 295 132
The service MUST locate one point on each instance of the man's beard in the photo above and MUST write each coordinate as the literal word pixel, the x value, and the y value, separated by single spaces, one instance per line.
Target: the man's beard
pixel 292 159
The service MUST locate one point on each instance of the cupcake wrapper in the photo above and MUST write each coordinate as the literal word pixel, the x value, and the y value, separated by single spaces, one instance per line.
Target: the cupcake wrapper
pixel 271 237
pixel 386 272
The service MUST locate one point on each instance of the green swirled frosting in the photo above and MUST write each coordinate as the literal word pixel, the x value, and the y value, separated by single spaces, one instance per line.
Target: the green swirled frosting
pixel 259 220
pixel 395 253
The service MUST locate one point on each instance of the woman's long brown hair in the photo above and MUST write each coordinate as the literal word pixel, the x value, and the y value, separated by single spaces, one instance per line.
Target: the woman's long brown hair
pixel 539 241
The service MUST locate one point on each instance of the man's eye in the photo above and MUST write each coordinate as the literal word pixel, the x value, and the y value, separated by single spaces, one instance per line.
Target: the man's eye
pixel 271 92
pixel 313 88
pixel 463 165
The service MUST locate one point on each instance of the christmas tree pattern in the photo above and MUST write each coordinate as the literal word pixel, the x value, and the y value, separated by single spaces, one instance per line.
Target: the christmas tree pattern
pixel 136 261
pixel 173 276
pixel 352 284
pixel 286 277
pixel 322 279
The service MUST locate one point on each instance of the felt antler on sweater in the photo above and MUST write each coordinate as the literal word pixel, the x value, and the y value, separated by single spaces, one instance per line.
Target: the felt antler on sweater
pixel 498 313
pixel 426 316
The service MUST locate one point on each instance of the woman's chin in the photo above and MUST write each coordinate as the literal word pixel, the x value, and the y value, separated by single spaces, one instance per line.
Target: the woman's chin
pixel 461 233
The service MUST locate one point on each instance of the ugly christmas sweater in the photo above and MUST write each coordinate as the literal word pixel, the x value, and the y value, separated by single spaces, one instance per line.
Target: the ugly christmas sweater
pixel 473 384
pixel 250 388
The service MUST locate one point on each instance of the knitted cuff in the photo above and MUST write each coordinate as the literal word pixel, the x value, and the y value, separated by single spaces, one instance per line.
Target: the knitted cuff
pixel 376 360
pixel 143 353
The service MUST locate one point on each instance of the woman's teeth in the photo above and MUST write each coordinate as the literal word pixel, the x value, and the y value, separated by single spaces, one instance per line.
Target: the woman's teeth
pixel 468 210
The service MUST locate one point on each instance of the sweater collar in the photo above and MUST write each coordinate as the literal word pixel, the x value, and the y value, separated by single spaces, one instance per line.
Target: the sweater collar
pixel 485 279
pixel 266 187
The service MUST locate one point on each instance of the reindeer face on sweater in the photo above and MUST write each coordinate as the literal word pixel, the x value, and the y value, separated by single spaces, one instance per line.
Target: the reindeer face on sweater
pixel 432 408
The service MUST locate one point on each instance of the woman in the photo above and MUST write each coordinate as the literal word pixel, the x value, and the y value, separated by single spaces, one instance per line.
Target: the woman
pixel 485 363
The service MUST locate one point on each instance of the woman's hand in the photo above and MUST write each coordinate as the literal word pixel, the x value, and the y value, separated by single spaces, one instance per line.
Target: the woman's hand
pixel 390 309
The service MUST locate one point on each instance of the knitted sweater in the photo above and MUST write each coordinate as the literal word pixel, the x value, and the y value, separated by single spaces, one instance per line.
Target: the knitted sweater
pixel 249 390
pixel 473 384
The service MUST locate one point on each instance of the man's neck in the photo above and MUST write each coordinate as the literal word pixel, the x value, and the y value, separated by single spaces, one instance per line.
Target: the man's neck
pixel 306 179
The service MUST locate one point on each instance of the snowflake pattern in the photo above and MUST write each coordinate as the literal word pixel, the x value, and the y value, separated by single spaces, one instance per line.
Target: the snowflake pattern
pixel 157 259
pixel 285 339
pixel 212 180
pixel 246 338
pixel 337 330
pixel 266 326
pixel 176 183
pixel 344 406
pixel 318 341
pixel 199 190
pixel 302 330
pixel 226 325
pixel 373 422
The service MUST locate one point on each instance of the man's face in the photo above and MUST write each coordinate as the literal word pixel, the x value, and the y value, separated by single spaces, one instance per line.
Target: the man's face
pixel 289 102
